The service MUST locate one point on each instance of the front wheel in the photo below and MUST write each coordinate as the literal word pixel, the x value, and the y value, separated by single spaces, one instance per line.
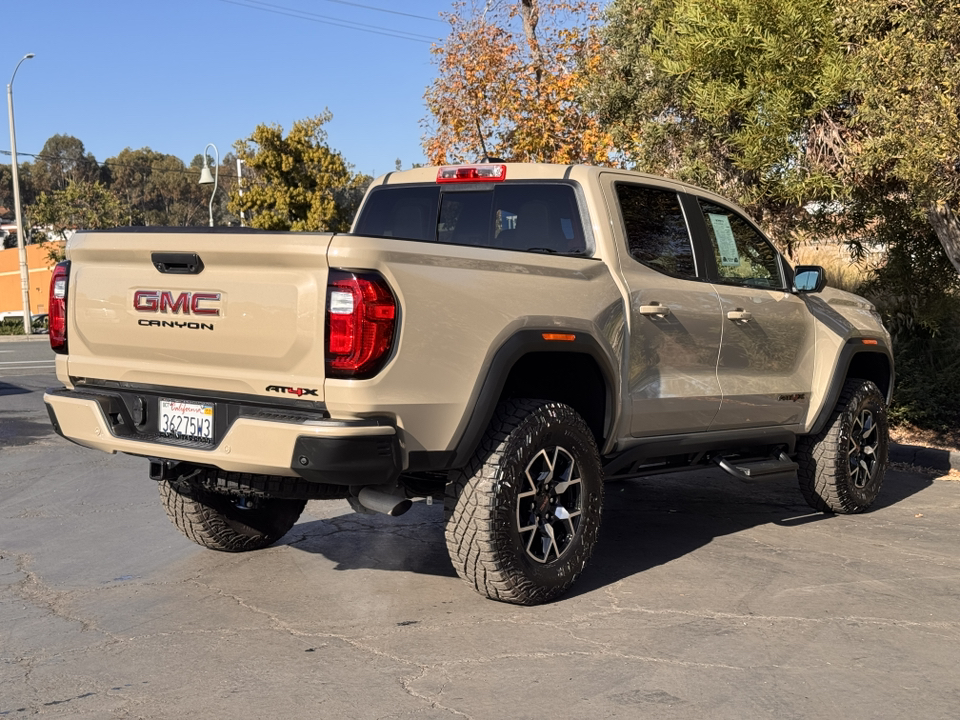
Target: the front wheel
pixel 222 522
pixel 524 515
pixel 842 467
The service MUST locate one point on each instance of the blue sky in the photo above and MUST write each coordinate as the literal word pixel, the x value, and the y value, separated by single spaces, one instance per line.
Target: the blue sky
pixel 174 75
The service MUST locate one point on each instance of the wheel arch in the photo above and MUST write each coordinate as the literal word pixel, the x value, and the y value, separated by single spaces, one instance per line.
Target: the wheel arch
pixel 529 365
pixel 857 360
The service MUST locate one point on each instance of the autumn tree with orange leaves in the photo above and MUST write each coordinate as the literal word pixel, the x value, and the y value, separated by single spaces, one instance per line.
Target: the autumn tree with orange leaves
pixel 512 74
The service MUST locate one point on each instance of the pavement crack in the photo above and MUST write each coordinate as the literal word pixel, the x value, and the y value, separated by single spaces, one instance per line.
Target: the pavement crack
pixel 33 590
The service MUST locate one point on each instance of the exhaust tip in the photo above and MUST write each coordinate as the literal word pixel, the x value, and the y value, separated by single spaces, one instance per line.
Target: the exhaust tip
pixel 381 502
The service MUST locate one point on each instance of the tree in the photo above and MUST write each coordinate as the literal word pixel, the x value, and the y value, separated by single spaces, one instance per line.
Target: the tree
pixel 508 83
pixel 82 205
pixel 746 99
pixel 157 189
pixel 296 182
pixel 62 160
pixel 908 110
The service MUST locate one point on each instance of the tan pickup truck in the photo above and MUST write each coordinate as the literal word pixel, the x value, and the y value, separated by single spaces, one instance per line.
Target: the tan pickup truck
pixel 508 336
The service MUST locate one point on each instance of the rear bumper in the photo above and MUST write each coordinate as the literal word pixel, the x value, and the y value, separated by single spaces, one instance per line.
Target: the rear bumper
pixel 361 452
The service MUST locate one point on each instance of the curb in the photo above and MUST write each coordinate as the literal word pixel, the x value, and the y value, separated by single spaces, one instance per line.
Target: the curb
pixel 943 460
pixel 36 337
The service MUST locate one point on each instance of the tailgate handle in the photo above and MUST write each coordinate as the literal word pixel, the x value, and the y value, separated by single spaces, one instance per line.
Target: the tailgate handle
pixel 177 263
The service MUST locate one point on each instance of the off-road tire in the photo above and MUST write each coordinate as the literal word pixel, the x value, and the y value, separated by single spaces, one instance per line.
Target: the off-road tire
pixel 215 521
pixel 491 547
pixel 842 467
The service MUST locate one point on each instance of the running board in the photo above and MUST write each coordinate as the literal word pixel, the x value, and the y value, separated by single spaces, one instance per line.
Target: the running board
pixel 766 469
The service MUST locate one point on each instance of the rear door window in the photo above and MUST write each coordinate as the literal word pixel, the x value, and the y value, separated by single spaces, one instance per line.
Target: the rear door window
pixel 656 229
pixel 535 217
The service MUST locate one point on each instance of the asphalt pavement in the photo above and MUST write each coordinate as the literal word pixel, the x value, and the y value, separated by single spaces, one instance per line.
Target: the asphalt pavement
pixel 706 598
pixel 25 357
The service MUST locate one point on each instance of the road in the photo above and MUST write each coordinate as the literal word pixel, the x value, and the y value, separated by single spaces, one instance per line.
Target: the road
pixel 706 598
pixel 25 357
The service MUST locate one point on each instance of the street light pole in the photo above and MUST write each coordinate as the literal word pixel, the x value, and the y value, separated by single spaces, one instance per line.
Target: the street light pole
pixel 21 240
pixel 206 179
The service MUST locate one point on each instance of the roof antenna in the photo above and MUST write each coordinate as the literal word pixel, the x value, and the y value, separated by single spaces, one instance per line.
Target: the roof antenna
pixel 483 146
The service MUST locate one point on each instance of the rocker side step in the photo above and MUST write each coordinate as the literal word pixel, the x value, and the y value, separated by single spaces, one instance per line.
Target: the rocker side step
pixel 762 469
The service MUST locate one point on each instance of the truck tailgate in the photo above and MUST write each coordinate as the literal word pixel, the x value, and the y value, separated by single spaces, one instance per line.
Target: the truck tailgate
pixel 250 321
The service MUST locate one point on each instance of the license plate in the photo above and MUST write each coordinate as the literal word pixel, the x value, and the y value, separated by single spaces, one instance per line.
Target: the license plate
pixel 186 420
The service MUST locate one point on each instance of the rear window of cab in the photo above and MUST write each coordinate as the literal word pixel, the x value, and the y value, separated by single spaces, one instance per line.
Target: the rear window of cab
pixel 531 217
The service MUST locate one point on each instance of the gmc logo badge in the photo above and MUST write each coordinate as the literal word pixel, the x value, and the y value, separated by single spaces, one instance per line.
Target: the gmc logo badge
pixel 186 303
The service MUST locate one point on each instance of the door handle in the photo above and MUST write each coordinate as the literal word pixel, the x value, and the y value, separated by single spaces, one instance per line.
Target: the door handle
pixel 739 315
pixel 655 309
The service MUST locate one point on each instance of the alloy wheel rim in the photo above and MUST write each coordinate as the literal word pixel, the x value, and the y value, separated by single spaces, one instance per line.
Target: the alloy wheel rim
pixel 549 504
pixel 863 454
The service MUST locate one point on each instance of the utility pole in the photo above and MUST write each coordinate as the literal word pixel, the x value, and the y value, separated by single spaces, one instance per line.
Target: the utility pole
pixel 21 239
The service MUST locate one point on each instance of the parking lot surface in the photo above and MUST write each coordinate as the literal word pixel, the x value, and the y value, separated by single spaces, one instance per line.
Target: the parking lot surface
pixel 706 598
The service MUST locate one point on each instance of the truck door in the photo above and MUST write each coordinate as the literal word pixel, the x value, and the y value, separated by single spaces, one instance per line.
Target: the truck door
pixel 766 355
pixel 675 320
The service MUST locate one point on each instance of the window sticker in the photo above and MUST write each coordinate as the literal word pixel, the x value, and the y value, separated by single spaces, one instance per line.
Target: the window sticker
pixel 725 241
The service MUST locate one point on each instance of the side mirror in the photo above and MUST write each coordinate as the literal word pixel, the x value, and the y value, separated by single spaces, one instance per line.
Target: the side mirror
pixel 809 279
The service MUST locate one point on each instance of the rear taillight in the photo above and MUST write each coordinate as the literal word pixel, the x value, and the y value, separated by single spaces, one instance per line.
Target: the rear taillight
pixel 361 323
pixel 57 313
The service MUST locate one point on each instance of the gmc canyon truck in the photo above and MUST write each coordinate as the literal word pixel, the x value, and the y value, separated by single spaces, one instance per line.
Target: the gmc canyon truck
pixel 507 336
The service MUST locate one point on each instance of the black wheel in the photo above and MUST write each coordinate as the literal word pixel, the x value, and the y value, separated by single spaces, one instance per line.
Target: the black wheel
pixel 223 522
pixel 842 467
pixel 523 516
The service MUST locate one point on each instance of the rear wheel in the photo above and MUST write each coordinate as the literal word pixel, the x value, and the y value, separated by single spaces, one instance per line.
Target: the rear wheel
pixel 228 523
pixel 842 467
pixel 523 516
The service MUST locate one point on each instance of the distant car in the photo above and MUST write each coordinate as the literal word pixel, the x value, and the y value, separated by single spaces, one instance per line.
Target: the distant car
pixel 40 323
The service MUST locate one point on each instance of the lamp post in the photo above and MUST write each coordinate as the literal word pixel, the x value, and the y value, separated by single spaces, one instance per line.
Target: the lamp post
pixel 207 179
pixel 21 240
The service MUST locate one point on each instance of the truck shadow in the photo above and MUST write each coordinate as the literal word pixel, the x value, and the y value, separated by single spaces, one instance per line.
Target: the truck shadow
pixel 17 430
pixel 9 389
pixel 647 522
pixel 653 521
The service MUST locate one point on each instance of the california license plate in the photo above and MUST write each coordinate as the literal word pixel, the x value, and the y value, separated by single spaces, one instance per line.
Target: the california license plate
pixel 186 420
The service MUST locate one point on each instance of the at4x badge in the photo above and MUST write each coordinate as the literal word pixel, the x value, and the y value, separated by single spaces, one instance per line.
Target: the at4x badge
pixel 299 392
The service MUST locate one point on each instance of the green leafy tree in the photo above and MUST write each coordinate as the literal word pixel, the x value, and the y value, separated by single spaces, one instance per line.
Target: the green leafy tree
pixel 157 189
pixel 82 205
pixel 27 189
pixel 63 160
pixel 746 97
pixel 296 182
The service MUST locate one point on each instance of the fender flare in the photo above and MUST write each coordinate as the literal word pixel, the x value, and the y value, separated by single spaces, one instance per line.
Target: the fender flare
pixel 522 343
pixel 853 348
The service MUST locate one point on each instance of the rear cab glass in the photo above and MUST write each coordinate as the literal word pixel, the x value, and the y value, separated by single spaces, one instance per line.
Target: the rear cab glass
pixel 531 217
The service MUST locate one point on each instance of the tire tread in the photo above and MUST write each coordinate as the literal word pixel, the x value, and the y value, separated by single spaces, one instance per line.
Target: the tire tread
pixel 472 533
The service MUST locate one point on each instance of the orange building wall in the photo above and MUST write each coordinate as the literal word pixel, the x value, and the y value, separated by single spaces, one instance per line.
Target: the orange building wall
pixel 41 269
